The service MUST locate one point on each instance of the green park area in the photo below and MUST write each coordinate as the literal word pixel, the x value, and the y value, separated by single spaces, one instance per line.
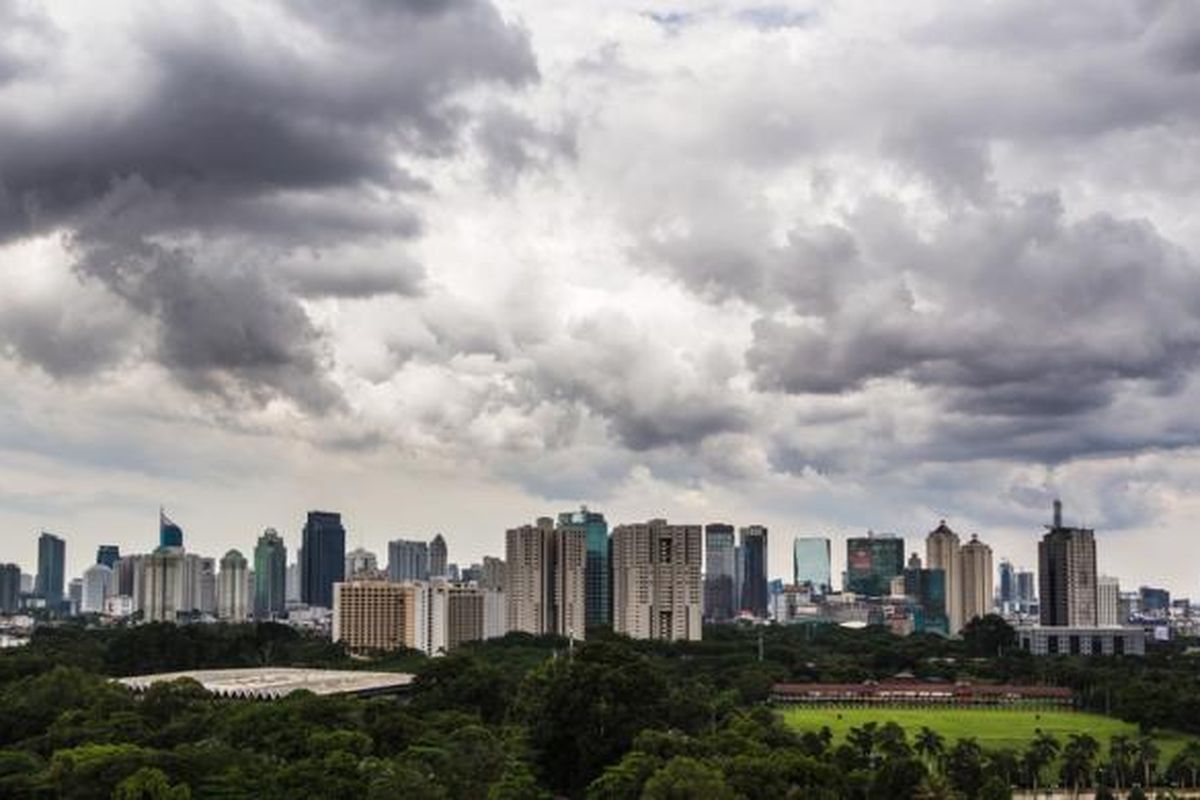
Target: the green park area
pixel 993 729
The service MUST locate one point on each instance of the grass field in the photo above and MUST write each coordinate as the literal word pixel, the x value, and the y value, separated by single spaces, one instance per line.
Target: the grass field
pixel 993 729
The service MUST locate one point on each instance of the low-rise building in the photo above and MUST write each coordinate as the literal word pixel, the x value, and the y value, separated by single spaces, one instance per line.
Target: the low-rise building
pixel 1044 640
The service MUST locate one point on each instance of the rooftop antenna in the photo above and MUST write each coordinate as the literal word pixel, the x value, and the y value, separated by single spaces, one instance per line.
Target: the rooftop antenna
pixel 1057 513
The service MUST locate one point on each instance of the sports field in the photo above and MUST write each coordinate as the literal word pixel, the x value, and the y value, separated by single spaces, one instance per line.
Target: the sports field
pixel 994 729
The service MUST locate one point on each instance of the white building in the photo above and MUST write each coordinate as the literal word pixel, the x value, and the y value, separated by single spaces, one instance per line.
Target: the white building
pixel 97 586
pixel 162 585
pixel 1108 596
pixel 233 588
pixel 657 589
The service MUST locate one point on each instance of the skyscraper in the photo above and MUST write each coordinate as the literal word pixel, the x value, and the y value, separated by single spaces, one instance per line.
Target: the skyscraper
pixel 494 573
pixel 720 572
pixel 811 563
pixel 108 555
pixel 10 588
pixel 270 575
pixel 376 616
pixel 1006 594
pixel 754 570
pixel 1108 596
pixel 928 588
pixel 656 580
pixel 545 579
pixel 162 585
pixel 1026 593
pixel 942 552
pixel 169 534
pixel 52 560
pixel 872 561
pixel 360 560
pixel 598 576
pixel 976 579
pixel 232 586
pixel 97 586
pixel 1067 574
pixel 408 560
pixel 437 557
pixel 322 560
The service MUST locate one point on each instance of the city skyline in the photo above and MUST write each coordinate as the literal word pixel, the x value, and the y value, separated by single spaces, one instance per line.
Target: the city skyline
pixel 819 266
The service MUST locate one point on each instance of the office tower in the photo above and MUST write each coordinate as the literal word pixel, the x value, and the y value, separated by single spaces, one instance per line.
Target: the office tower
pixel 27 583
pixel 52 559
pixel 942 552
pixel 322 560
pixel 437 557
pixel 720 573
pixel 408 560
pixel 75 594
pixel 1154 602
pixel 232 602
pixel 739 577
pixel 976 575
pixel 1108 594
pixel 927 587
pixel 657 591
pixel 360 560
pixel 597 577
pixel 270 575
pixel 293 583
pixel 124 571
pixel 872 561
pixel 495 613
pixel 97 586
pixel 1006 594
pixel 455 616
pixel 1026 593
pixel 493 573
pixel 472 574
pixel 163 585
pixel 169 534
pixel 452 572
pixel 754 570
pixel 545 579
pixel 208 587
pixel 375 616
pixel 811 563
pixel 10 588
pixel 108 555
pixel 1067 574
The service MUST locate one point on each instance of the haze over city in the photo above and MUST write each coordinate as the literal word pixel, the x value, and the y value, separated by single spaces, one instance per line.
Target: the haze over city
pixel 824 267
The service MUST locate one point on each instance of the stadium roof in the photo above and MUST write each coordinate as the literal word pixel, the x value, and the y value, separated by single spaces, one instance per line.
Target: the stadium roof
pixel 271 683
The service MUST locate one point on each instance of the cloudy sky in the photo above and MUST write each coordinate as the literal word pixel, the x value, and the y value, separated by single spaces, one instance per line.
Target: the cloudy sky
pixel 445 265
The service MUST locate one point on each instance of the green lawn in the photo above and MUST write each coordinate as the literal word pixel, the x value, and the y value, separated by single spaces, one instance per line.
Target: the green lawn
pixel 993 729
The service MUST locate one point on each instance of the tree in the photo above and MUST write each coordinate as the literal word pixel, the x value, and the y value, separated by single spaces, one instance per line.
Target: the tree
pixel 995 788
pixel 989 636
pixel 964 766
pixel 1147 756
pixel 930 745
pixel 684 778
pixel 1120 753
pixel 1185 767
pixel 1041 751
pixel 149 783
pixel 1079 755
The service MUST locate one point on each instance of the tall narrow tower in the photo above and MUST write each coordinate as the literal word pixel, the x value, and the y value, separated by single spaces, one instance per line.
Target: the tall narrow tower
pixel 1067 575
pixel 977 581
pixel 942 552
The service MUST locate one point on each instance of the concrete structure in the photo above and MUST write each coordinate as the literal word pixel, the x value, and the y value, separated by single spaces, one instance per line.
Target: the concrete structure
pixel 438 557
pixel 942 552
pixel 1042 640
pixel 656 580
pixel 161 589
pixel 408 560
pixel 1067 575
pixel 812 564
pixel 494 574
pixel 97 586
pixel 495 614
pixel 460 614
pixel 720 572
pixel 270 576
pixel 10 588
pixel 108 555
pixel 232 588
pixel 169 534
pixel 545 579
pixel 118 605
pixel 977 580
pixel 322 557
pixel 597 573
pixel 375 616
pixel 872 561
pixel 1108 594
pixel 927 588
pixel 272 683
pixel 360 561
pixel 754 595
pixel 52 564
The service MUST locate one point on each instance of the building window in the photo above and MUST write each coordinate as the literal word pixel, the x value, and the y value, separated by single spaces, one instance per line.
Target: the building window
pixel 1052 645
pixel 1097 645
pixel 1118 645
pixel 1073 643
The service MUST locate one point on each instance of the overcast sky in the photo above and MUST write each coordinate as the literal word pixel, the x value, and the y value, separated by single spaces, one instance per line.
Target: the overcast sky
pixel 447 265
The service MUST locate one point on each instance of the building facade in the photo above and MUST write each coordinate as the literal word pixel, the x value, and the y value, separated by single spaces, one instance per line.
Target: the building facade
pixel 598 575
pixel 232 588
pixel 52 565
pixel 10 588
pixel 169 534
pixel 408 560
pixel 720 573
pixel 754 598
pixel 872 562
pixel 322 558
pixel 977 581
pixel 1050 640
pixel 1108 595
pixel 812 563
pixel 942 547
pixel 97 586
pixel 108 555
pixel 438 557
pixel 657 590
pixel 1067 575
pixel 161 590
pixel 545 579
pixel 375 616
pixel 360 561
pixel 270 576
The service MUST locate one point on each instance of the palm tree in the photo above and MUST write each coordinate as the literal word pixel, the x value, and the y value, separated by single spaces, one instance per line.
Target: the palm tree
pixel 930 745
pixel 1041 751
pixel 1120 751
pixel 1078 757
pixel 1147 755
pixel 1188 762
pixel 863 740
pixel 935 787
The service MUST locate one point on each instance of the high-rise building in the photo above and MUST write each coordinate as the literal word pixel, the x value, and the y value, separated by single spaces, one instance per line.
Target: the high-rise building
pixel 656 580
pixel 97 586
pixel 872 561
pixel 977 579
pixel 208 587
pixel 545 579
pixel 52 561
pixel 438 557
pixel 108 555
pixel 1108 594
pixel 598 575
pixel 1067 575
pixel 455 616
pixel 927 587
pixel 811 563
pixel 408 560
pixel 293 582
pixel 1154 602
pixel 10 588
pixel 270 575
pixel 376 616
pixel 942 552
pixel 360 560
pixel 162 585
pixel 75 594
pixel 1026 591
pixel 322 559
pixel 720 573
pixel 493 574
pixel 232 584
pixel 169 534
pixel 1006 592
pixel 754 597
